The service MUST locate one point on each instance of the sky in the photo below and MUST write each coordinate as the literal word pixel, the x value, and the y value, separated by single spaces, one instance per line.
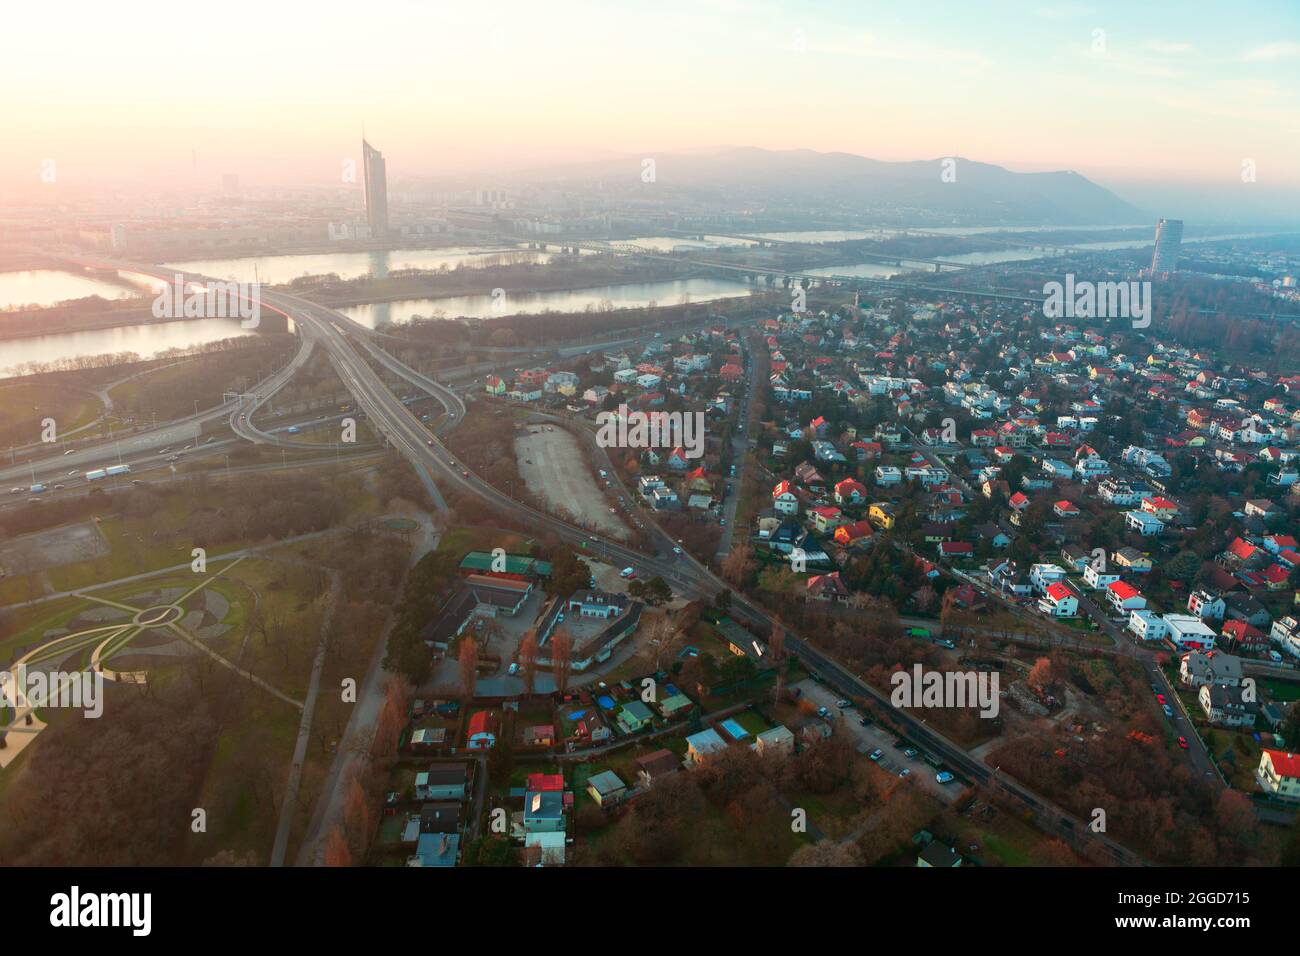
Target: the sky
pixel 1137 96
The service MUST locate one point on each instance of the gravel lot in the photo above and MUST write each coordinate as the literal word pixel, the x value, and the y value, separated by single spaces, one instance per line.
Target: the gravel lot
pixel 554 468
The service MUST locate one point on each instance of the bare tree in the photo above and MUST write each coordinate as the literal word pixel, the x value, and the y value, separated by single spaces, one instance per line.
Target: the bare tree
pixel 562 658
pixel 528 660
pixel 468 661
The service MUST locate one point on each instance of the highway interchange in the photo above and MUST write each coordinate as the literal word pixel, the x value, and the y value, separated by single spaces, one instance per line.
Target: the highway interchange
pixel 348 344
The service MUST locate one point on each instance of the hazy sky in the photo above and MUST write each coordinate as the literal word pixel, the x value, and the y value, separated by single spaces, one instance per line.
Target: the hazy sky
pixel 1120 91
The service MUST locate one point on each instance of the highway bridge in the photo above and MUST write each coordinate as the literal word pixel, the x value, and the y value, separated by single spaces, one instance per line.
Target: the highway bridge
pixel 688 577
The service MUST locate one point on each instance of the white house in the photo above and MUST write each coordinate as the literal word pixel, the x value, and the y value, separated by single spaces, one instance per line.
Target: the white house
pixel 1147 625
pixel 1189 633
pixel 1098 579
pixel 1059 601
pixel 1042 575
pixel 887 475
pixel 1143 523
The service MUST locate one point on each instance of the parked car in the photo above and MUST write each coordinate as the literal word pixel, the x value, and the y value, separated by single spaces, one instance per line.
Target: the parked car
pixel 876 754
pixel 843 702
pixel 910 753
pixel 943 776
pixel 1169 711
pixel 1182 743
pixel 906 771
pixel 823 712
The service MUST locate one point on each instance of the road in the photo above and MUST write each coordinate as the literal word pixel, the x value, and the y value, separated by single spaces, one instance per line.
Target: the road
pixel 872 737
pixel 686 576
pixel 740 445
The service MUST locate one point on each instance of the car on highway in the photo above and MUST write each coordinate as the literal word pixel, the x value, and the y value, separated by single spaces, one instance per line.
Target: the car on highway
pixel 1182 743
pixel 943 776
pixel 875 754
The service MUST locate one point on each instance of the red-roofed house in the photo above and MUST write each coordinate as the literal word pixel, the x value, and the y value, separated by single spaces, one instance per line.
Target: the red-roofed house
pixel 1059 601
pixel 1238 635
pixel 826 517
pixel 1124 597
pixel 784 500
pixel 1019 501
pixel 956 549
pixel 731 373
pixel 1242 551
pixel 542 782
pixel 1276 577
pixel 850 492
pixel 826 587
pixel 1065 509
pixel 1279 774
pixel 857 534
pixel 1162 508
pixel 482 730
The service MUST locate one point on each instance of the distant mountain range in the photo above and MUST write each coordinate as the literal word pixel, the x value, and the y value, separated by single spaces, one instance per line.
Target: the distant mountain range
pixel 824 181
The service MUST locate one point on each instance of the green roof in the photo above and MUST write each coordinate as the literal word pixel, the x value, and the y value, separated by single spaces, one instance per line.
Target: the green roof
pixel 515 564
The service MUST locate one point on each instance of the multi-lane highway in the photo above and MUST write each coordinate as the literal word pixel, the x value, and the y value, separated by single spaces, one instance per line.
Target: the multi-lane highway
pixel 687 576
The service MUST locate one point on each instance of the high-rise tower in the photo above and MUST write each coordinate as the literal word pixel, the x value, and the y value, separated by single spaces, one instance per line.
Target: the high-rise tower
pixel 1169 237
pixel 376 190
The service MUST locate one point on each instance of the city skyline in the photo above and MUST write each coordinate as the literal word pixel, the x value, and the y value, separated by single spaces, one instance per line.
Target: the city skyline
pixel 1116 93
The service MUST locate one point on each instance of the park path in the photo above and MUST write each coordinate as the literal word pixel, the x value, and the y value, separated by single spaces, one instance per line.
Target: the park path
pixel 353 747
pixel 290 803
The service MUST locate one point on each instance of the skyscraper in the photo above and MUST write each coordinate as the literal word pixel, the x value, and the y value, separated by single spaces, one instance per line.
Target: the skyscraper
pixel 1169 236
pixel 376 190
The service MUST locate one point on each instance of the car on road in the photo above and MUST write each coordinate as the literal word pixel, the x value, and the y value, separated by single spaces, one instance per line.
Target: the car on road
pixel 1169 711
pixel 843 702
pixel 15 491
pixel 943 776
pixel 1160 698
pixel 876 754
pixel 910 753
pixel 1182 743
pixel 1155 688
pixel 69 451
pixel 677 550
pixel 59 487
pixel 73 473
pixel 464 474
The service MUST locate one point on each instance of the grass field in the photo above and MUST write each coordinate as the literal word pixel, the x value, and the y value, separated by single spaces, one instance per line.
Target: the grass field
pixel 24 405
